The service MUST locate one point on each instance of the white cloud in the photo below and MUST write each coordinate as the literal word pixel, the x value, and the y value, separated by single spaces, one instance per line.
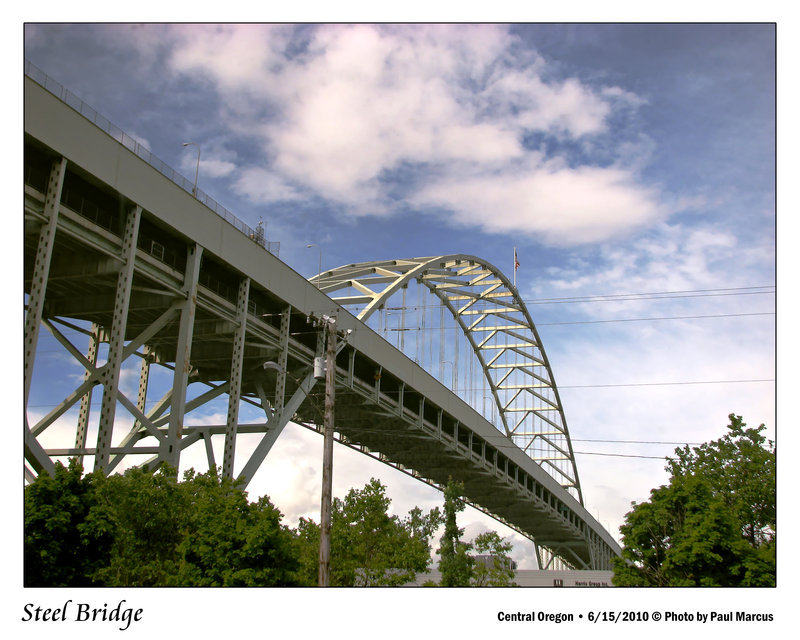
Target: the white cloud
pixel 340 107
pixel 669 257
pixel 216 168
pixel 233 56
pixel 559 204
pixel 263 185
pixel 214 160
pixel 653 353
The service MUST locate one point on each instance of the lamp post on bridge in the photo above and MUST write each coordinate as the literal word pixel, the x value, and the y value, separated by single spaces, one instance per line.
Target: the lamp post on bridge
pixel 452 374
pixel 491 403
pixel 197 170
pixel 319 270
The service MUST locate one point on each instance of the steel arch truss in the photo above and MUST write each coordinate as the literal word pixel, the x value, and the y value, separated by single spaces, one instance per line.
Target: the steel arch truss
pixel 500 331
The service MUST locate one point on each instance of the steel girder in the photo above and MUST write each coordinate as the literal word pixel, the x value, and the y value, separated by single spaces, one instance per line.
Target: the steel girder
pixel 487 308
pixel 137 307
pixel 380 414
pixel 388 407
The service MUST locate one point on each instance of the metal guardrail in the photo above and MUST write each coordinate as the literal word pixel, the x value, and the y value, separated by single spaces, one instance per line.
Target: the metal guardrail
pixel 66 96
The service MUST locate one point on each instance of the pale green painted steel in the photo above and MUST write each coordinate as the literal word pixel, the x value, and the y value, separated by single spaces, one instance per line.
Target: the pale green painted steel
pixel 499 328
pixel 235 393
pixel 109 377
pixel 388 407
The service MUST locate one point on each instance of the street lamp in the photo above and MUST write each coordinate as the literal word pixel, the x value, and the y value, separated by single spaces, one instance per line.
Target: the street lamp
pixel 319 270
pixel 491 404
pixel 453 372
pixel 197 170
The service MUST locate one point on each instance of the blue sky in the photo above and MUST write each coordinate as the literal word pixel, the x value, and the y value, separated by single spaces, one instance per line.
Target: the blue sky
pixel 618 159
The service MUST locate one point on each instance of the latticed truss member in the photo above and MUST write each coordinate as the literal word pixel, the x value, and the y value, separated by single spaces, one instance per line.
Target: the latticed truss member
pixel 487 308
pixel 207 305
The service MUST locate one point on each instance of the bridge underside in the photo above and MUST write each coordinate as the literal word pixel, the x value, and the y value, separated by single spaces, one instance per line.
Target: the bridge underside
pixel 130 273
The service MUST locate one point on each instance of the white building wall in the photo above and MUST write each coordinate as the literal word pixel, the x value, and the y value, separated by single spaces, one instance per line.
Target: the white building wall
pixel 537 578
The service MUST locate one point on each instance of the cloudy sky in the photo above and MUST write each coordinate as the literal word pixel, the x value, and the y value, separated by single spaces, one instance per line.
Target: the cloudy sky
pixel 618 159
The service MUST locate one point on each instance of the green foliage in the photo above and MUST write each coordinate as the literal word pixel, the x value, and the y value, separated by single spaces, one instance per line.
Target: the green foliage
pixel 455 563
pixel 307 537
pixel 714 523
pixel 499 570
pixel 234 542
pixel 64 546
pixel 368 546
pixel 146 512
pixel 457 566
pixel 147 529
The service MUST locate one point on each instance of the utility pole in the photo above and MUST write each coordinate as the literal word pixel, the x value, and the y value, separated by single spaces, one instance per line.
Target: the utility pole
pixel 327 457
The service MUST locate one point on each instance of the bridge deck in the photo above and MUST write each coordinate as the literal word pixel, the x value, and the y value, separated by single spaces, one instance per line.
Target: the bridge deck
pixel 386 405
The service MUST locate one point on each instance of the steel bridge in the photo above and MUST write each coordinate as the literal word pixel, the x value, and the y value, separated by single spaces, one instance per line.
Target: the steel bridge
pixel 125 262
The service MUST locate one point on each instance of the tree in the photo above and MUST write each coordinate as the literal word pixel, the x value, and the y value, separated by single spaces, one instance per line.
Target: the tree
pixel 494 568
pixel 148 529
pixel 714 524
pixel 61 548
pixel 147 514
pixel 307 537
pixel 235 542
pixel 369 546
pixel 455 563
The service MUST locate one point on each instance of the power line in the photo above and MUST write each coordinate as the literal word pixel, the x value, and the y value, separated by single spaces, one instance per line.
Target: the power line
pixel 721 315
pixel 579 322
pixel 650 295
pixel 577 386
pixel 511 445
pixel 661 384
pixel 626 297
pixel 618 455
pixel 538 324
pixel 634 441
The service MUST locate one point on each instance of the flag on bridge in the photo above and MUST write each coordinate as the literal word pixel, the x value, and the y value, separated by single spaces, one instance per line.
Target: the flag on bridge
pixel 516 262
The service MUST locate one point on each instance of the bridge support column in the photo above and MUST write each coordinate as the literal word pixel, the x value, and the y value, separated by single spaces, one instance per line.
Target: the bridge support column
pixel 86 400
pixel 235 392
pixel 169 450
pixel 41 269
pixel 283 360
pixel 109 377
pixel 34 453
pixel 144 380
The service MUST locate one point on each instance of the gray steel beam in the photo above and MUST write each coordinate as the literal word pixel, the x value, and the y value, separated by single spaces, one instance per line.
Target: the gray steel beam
pixel 86 400
pixel 170 451
pixel 109 377
pixel 275 426
pixel 185 219
pixel 41 269
pixel 235 391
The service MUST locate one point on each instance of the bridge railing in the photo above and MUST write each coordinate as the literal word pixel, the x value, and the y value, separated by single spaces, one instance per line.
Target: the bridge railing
pixel 66 96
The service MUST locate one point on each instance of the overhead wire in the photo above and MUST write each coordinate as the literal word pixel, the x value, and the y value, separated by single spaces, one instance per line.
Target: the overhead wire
pixel 656 295
pixel 618 298
pixel 619 455
pixel 511 445
pixel 662 384
pixel 652 295
pixel 720 315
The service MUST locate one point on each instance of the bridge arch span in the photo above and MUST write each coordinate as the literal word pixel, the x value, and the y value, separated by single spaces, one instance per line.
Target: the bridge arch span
pixel 487 310
pixel 207 319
